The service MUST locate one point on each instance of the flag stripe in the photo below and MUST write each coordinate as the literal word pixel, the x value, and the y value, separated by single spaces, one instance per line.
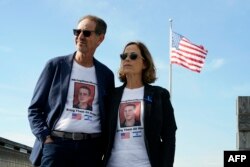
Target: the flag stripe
pixel 192 68
pixel 192 46
pixel 187 54
pixel 187 57
pixel 182 62
pixel 185 47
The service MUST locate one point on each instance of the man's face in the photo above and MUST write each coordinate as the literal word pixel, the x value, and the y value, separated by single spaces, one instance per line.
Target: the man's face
pixel 87 44
pixel 83 95
pixel 129 113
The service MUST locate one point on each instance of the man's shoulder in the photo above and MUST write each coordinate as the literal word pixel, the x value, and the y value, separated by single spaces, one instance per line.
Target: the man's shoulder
pixel 101 66
pixel 60 58
pixel 55 61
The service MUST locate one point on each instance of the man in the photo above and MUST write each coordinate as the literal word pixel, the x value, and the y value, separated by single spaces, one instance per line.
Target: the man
pixel 84 97
pixel 64 138
pixel 129 115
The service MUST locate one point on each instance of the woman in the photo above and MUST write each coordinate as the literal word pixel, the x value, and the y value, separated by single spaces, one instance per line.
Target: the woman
pixel 152 144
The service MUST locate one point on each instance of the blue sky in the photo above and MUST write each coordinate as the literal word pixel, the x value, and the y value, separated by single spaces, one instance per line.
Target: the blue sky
pixel 32 32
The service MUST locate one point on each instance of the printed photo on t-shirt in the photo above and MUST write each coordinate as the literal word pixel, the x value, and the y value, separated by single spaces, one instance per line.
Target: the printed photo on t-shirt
pixel 83 96
pixel 129 114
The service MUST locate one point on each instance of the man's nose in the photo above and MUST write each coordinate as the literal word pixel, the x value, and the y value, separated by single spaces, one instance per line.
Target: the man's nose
pixel 81 36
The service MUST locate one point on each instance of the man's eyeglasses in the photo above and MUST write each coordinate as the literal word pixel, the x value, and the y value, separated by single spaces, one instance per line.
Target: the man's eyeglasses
pixel 132 56
pixel 86 33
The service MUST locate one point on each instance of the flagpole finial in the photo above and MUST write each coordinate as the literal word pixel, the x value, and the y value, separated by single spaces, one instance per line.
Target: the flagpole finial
pixel 170 20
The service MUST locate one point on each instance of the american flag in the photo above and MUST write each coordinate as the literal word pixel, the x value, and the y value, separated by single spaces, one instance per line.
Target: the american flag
pixel 187 54
pixel 125 135
pixel 77 116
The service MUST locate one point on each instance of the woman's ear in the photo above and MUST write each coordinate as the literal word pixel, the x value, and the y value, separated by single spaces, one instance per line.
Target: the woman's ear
pixel 144 65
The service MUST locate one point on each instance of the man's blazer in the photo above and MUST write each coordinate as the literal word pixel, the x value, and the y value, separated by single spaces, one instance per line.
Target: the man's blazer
pixel 50 96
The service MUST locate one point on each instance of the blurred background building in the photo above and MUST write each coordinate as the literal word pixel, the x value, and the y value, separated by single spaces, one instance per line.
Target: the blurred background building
pixel 243 117
pixel 14 154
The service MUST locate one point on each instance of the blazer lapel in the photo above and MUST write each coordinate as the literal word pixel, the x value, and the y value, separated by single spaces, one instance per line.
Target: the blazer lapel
pixel 65 68
pixel 100 79
pixel 148 100
pixel 116 103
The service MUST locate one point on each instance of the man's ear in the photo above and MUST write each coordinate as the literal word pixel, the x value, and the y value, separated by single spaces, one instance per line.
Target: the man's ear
pixel 101 38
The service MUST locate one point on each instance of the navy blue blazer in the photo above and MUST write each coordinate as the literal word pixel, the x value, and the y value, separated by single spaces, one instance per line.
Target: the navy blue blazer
pixel 159 125
pixel 50 95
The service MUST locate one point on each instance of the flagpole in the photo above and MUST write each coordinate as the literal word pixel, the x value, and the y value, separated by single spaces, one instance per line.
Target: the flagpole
pixel 170 65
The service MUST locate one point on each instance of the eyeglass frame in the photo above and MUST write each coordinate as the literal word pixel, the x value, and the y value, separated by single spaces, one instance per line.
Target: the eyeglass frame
pixel 77 32
pixel 132 56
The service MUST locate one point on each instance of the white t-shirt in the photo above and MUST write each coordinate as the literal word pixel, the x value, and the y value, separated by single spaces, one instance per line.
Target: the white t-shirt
pixel 129 148
pixel 81 112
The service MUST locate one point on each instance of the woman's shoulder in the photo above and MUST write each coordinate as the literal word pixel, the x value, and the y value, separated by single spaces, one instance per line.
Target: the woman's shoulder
pixel 119 88
pixel 156 88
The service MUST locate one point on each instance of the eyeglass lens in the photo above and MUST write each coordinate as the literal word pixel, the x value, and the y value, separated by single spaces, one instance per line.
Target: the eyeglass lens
pixel 86 33
pixel 132 56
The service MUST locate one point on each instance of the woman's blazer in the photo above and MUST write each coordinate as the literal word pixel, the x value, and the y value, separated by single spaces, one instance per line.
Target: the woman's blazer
pixel 159 125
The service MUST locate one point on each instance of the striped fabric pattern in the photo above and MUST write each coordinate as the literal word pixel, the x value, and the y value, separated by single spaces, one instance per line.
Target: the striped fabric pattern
pixel 187 54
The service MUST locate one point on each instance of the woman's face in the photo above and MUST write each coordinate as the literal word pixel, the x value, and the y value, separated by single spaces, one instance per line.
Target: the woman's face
pixel 132 66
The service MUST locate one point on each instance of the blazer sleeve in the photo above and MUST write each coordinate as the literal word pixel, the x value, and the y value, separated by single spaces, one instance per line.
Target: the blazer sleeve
pixel 37 114
pixel 168 131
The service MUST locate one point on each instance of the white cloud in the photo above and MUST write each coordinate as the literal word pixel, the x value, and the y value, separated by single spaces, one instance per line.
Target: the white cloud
pixel 215 64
